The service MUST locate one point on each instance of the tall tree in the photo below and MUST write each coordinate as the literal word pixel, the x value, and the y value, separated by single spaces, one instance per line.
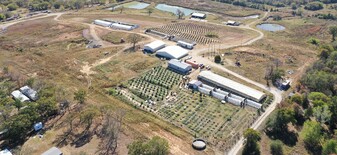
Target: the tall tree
pixel 134 39
pixel 251 148
pixel 312 135
pixel 156 146
pixel 333 32
pixel 330 147
pixel 276 147
pixel 180 14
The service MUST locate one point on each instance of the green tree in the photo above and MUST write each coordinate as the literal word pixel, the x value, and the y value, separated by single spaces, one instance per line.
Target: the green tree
pixel 17 127
pixel 322 113
pixel 18 104
pixel 88 115
pixel 156 146
pixel 217 59
pixel 333 32
pixel 276 147
pixel 252 137
pixel 134 39
pixel 150 11
pixel 297 99
pixel 2 17
pixel 80 96
pixel 12 7
pixel 330 147
pixel 47 106
pixel 312 135
pixel 279 124
pixel 180 14
pixel 277 74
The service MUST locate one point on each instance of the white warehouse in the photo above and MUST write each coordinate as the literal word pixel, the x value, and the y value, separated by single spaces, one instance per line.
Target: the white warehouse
pixel 172 52
pixel 154 46
pixel 121 26
pixel 232 86
pixel 102 23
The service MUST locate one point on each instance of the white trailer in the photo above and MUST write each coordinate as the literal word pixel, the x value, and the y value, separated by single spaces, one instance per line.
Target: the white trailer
pixel 222 92
pixel 185 44
pixel 121 26
pixel 218 95
pixel 253 104
pixel 207 87
pixel 237 97
pixel 102 23
pixel 234 101
pixel 204 90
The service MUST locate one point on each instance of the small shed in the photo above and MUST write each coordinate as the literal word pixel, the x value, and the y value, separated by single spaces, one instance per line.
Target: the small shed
pixel 53 151
pixel 179 67
pixel 29 92
pixel 194 84
pixel 38 126
pixel 154 46
pixel 232 23
pixel 198 15
pixel 19 96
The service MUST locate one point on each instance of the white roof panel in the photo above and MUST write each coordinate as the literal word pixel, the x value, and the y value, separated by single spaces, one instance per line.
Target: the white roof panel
pixel 29 92
pixel 19 96
pixel 52 151
pixel 196 14
pixel 172 52
pixel 155 44
pixel 231 85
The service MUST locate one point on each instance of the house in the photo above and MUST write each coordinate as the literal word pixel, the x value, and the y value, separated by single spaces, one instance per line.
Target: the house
pixel 29 92
pixel 179 67
pixel 154 46
pixel 232 23
pixel 172 52
pixel 17 95
pixel 231 86
pixel 198 15
pixel 53 151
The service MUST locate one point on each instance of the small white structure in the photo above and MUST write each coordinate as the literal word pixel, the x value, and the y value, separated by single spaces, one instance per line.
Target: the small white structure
pixel 19 96
pixel 218 95
pixel 222 92
pixel 172 52
pixel 154 46
pixel 179 67
pixel 204 90
pixel 198 15
pixel 29 92
pixel 207 87
pixel 237 97
pixel 234 101
pixel 53 151
pixel 5 152
pixel 185 44
pixel 253 104
pixel 121 26
pixel 38 126
pixel 102 23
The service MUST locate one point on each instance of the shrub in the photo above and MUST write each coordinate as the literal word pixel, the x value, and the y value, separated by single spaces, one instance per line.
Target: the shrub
pixel 217 59
pixel 313 41
pixel 313 6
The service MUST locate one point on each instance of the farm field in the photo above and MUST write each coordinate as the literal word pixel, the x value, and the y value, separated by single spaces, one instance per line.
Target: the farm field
pixel 203 33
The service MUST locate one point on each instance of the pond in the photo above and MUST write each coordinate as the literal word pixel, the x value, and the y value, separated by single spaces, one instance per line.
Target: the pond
pixel 173 9
pixel 133 5
pixel 271 27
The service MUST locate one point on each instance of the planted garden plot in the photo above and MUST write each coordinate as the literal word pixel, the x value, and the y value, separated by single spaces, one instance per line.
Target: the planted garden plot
pixel 204 116
pixel 155 84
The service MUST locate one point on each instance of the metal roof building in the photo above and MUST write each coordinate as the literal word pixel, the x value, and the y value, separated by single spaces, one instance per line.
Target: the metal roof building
pixel 19 96
pixel 232 86
pixel 172 52
pixel 29 92
pixel 154 46
pixel 5 152
pixel 102 23
pixel 198 15
pixel 121 26
pixel 178 66
pixel 53 151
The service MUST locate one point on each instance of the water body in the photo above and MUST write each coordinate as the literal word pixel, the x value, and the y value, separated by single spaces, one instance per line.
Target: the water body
pixel 251 17
pixel 271 27
pixel 173 9
pixel 133 5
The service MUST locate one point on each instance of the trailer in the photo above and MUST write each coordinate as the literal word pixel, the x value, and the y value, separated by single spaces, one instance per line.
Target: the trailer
pixel 185 44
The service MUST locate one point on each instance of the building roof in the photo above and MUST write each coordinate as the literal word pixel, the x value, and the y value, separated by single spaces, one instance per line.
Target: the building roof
pixel 231 85
pixel 196 14
pixel 179 64
pixel 185 43
pixel 53 151
pixel 29 92
pixel 5 152
pixel 19 96
pixel 230 22
pixel 172 52
pixel 195 82
pixel 155 44
pixel 121 26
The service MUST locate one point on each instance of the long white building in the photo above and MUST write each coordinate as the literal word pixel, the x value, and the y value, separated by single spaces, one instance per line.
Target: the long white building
pixel 172 52
pixel 232 86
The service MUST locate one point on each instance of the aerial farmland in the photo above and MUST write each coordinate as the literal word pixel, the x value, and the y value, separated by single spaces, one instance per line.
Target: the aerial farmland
pixel 176 77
